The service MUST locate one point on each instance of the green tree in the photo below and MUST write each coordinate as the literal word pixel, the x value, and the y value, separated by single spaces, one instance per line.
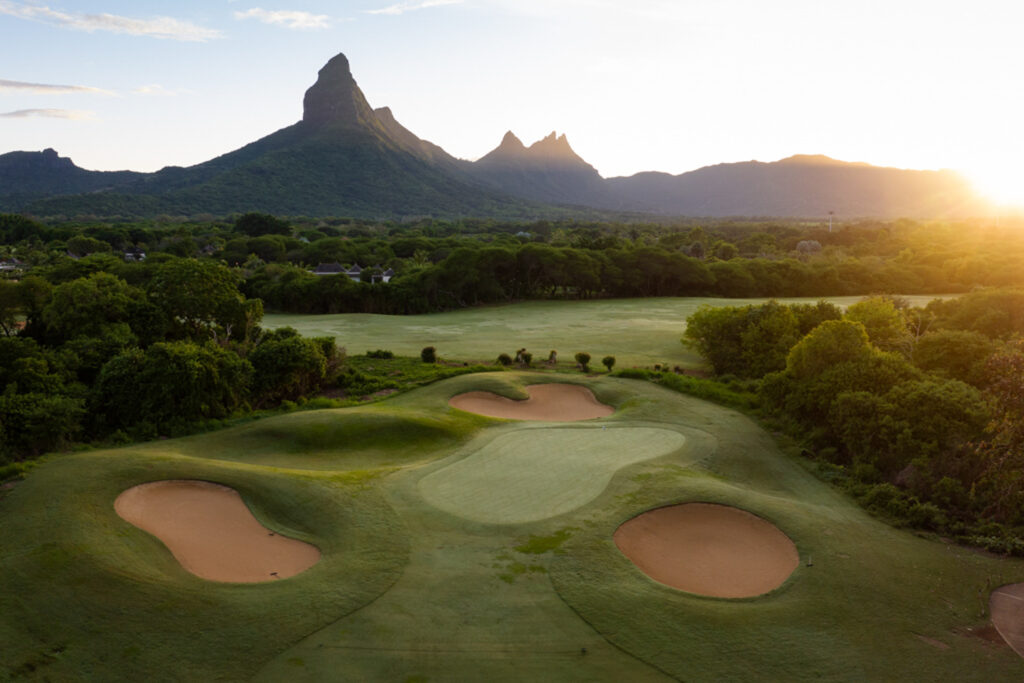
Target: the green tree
pixel 884 323
pixel 202 299
pixel 287 366
pixel 583 359
pixel 428 354
pixel 608 362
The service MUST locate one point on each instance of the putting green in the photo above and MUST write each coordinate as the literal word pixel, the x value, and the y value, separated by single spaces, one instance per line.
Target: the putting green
pixel 533 474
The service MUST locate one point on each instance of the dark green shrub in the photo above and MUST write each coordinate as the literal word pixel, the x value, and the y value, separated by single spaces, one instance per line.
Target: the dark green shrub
pixel 379 353
pixel 428 354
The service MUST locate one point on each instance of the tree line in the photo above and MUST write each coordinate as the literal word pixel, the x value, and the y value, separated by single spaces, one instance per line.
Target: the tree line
pixel 915 411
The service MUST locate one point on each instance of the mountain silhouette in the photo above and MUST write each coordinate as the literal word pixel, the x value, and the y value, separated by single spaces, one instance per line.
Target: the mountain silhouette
pixel 344 158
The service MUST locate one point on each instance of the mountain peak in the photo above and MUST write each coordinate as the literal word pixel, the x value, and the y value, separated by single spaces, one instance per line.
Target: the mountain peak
pixel 335 98
pixel 511 142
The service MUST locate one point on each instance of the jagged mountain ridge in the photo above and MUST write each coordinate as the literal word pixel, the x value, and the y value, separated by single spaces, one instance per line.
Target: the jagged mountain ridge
pixel 345 158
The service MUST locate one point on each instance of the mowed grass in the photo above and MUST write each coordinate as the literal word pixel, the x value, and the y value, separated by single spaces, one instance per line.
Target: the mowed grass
pixel 408 591
pixel 527 475
pixel 638 332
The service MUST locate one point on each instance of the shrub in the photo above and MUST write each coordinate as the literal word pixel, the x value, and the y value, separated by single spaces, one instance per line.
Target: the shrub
pixel 504 359
pixel 428 354
pixel 527 358
pixel 583 358
pixel 379 353
pixel 608 362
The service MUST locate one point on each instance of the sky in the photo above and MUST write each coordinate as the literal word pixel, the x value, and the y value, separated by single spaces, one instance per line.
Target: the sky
pixel 643 85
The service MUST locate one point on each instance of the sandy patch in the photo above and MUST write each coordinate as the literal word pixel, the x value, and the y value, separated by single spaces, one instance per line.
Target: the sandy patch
pixel 709 549
pixel 547 403
pixel 211 532
pixel 533 474
pixel 1007 608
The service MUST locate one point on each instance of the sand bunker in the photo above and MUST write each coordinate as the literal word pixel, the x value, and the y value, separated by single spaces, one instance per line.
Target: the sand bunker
pixel 533 474
pixel 1007 608
pixel 709 549
pixel 211 532
pixel 547 403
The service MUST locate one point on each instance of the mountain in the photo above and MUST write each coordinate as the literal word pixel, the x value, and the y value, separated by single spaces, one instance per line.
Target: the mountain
pixel 342 158
pixel 26 176
pixel 546 171
pixel 798 186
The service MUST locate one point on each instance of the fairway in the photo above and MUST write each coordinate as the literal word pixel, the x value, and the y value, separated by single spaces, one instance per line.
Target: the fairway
pixel 635 331
pixel 460 547
pixel 533 474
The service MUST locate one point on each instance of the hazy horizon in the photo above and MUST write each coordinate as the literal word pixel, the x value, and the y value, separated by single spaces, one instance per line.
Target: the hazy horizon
pixel 656 86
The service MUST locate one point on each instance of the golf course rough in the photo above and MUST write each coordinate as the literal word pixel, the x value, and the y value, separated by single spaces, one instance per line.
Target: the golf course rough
pixel 547 403
pixel 211 532
pixel 712 550
pixel 528 475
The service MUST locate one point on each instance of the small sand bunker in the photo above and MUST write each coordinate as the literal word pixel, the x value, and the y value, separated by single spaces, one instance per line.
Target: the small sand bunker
pixel 547 403
pixel 211 532
pixel 709 549
pixel 1007 608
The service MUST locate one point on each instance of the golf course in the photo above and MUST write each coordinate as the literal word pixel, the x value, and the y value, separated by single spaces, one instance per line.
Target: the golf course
pixel 413 539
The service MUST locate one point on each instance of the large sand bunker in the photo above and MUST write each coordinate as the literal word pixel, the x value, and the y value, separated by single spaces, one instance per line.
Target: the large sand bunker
pixel 533 474
pixel 709 549
pixel 547 403
pixel 1007 608
pixel 211 532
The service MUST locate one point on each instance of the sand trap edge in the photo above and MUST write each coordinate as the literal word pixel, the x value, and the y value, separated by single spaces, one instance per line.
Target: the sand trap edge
pixel 212 533
pixel 710 571
pixel 547 402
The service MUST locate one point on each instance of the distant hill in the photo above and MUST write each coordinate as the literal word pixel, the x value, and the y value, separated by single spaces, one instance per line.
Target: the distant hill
pixel 345 158
pixel 802 186
pixel 547 171
pixel 27 176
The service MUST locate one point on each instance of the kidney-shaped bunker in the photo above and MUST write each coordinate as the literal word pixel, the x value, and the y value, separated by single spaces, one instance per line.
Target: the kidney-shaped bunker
pixel 547 403
pixel 211 532
pixel 708 549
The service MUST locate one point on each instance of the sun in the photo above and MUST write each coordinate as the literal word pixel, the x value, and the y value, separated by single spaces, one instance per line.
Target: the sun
pixel 1002 185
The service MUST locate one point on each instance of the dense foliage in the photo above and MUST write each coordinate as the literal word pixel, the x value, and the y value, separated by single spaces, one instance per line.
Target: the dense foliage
pixel 916 411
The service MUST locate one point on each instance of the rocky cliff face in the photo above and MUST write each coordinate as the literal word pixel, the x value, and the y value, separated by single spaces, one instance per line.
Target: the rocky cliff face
pixel 335 99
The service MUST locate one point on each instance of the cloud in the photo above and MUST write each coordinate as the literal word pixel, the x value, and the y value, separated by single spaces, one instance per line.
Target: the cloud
pixel 49 113
pixel 411 6
pixel 157 27
pixel 155 89
pixel 287 18
pixel 47 89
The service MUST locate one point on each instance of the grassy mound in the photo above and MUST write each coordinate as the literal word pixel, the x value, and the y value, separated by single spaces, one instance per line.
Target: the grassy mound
pixel 406 591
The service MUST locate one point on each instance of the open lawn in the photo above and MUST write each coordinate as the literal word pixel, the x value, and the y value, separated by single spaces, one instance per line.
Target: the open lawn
pixel 408 590
pixel 636 331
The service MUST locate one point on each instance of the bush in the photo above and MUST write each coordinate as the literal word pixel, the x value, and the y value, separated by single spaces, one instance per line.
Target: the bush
pixel 504 359
pixel 379 353
pixel 428 354
pixel 527 358
pixel 608 362
pixel 583 359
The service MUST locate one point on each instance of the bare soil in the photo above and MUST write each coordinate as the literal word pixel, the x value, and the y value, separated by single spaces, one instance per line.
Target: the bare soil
pixel 1007 608
pixel 708 549
pixel 547 403
pixel 211 532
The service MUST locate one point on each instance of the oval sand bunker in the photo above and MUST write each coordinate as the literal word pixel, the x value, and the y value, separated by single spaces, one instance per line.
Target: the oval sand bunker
pixel 547 403
pixel 714 550
pixel 211 532
pixel 1006 605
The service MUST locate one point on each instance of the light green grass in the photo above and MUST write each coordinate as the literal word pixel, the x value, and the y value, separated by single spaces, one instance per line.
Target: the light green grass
pixel 531 474
pixel 636 331
pixel 405 591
